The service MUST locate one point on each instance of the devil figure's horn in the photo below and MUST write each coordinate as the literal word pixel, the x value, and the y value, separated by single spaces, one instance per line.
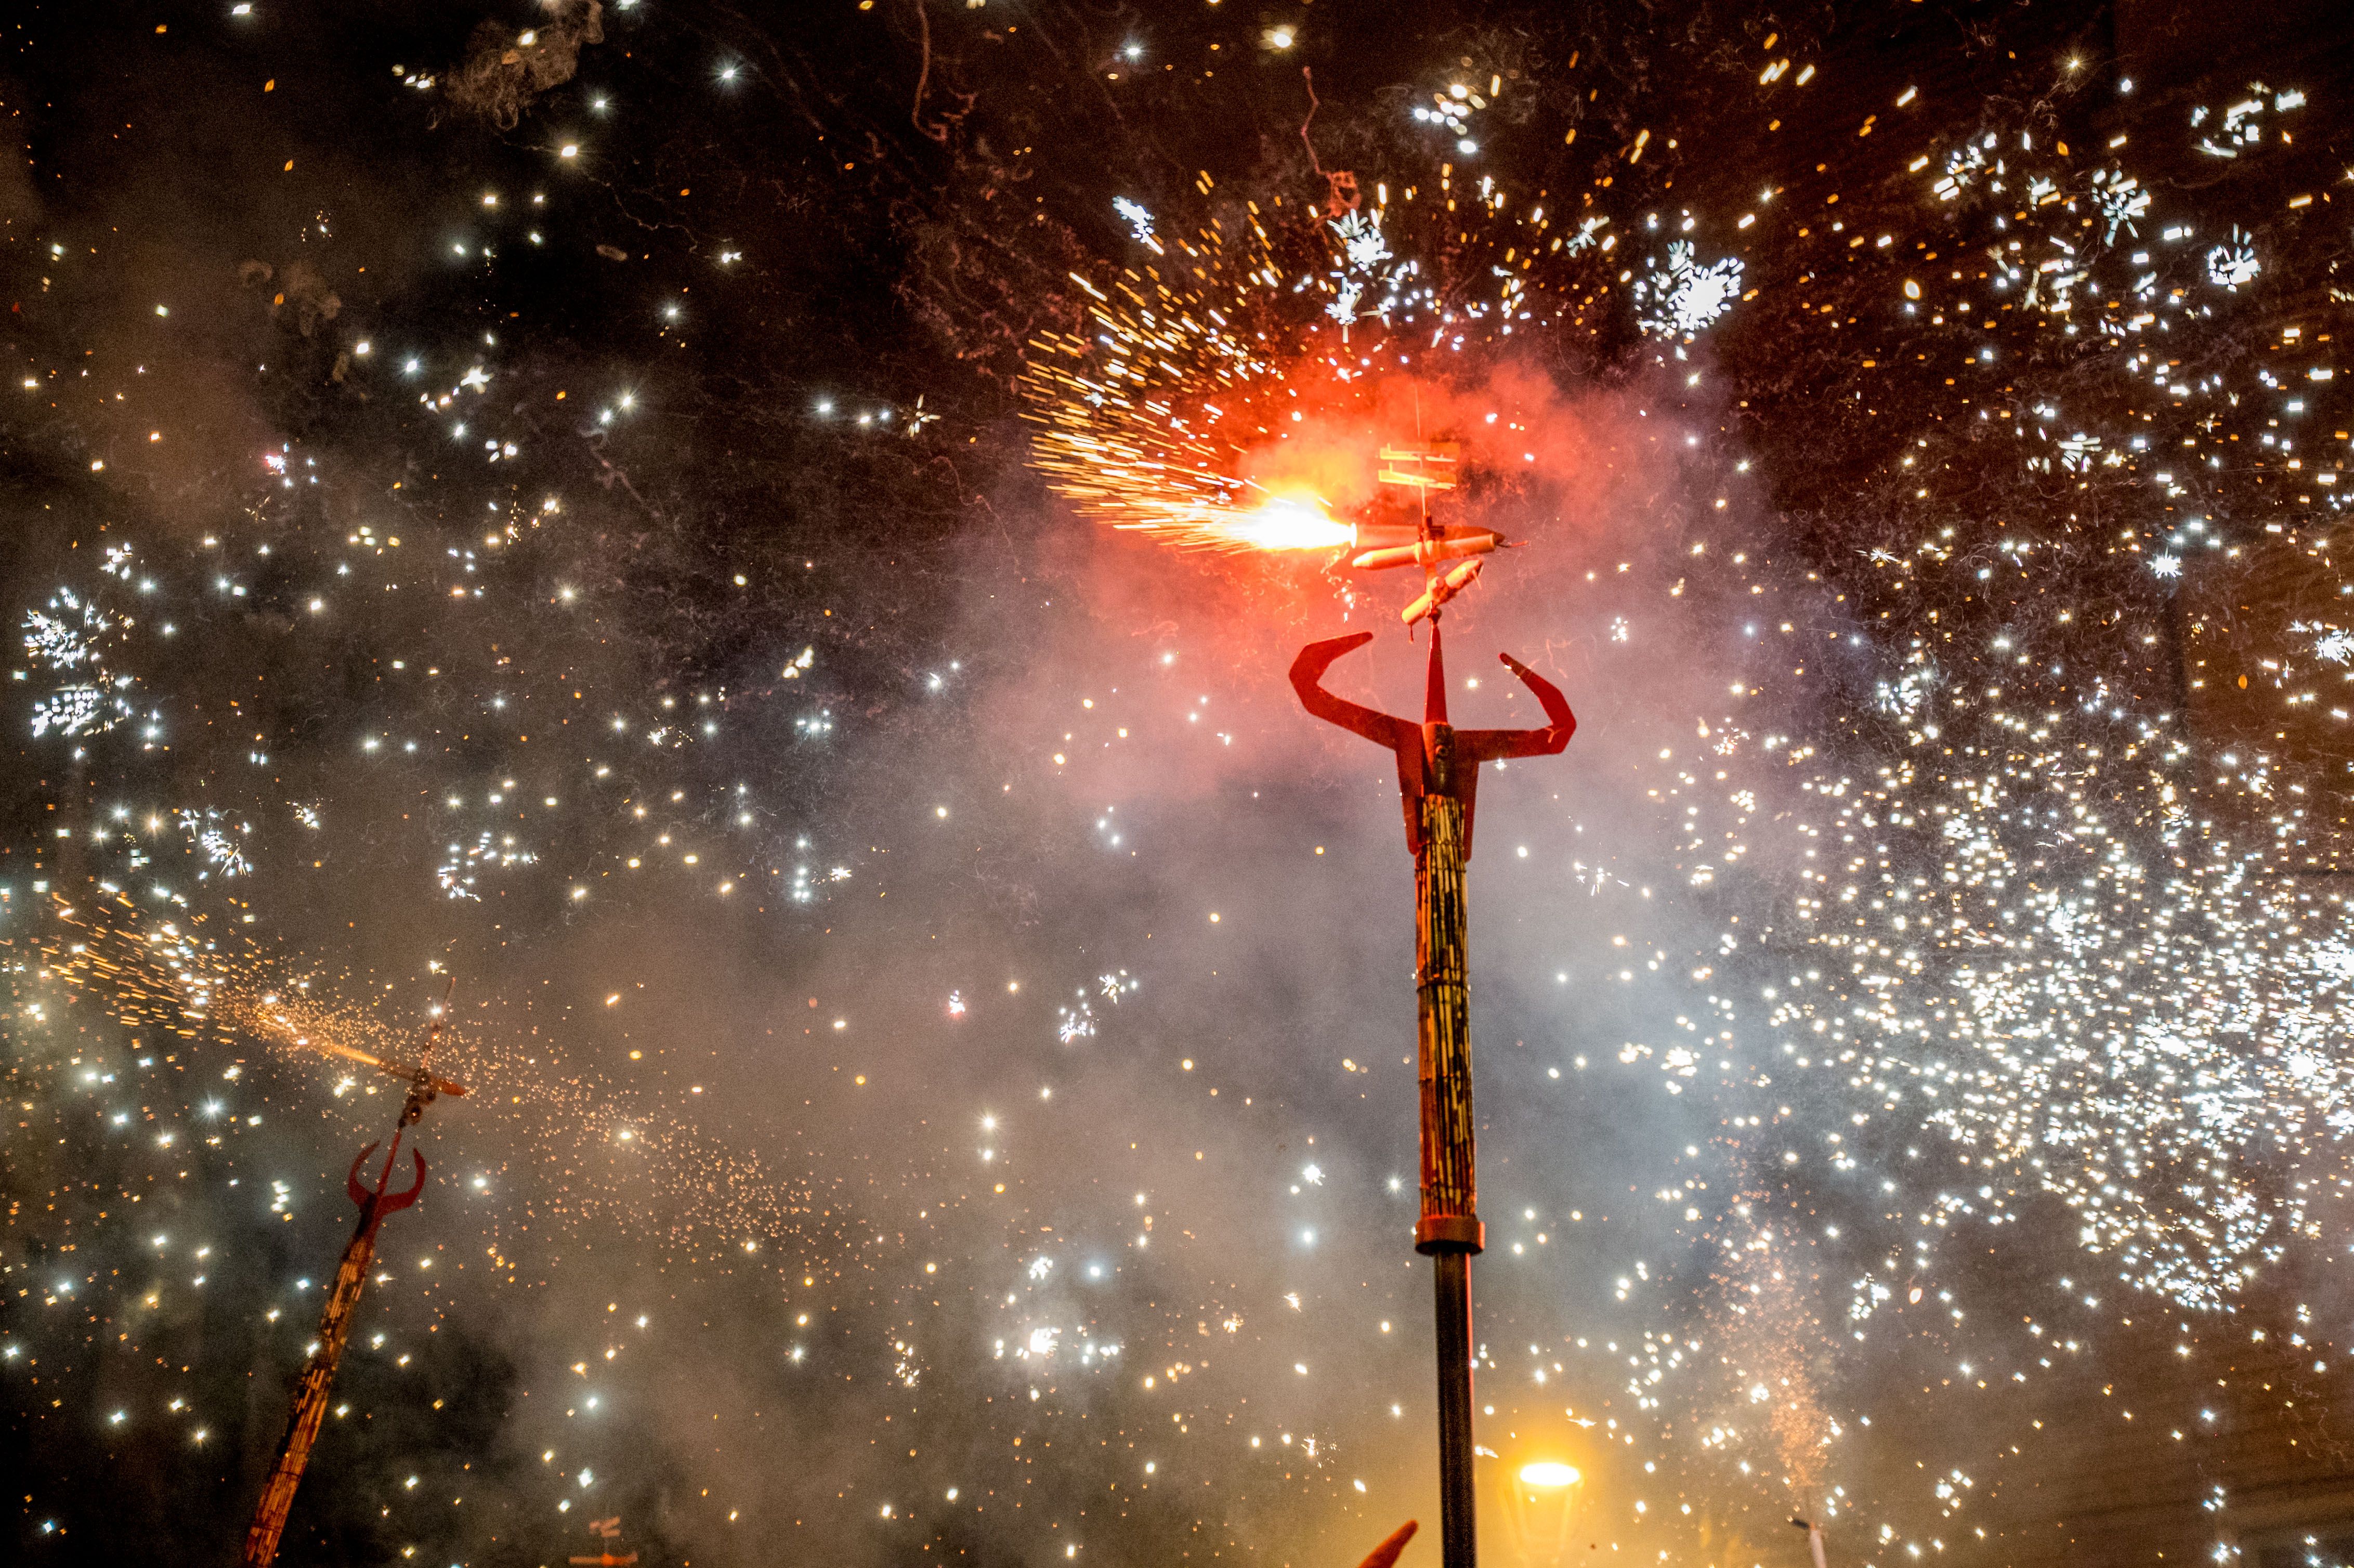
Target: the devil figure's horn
pixel 360 1194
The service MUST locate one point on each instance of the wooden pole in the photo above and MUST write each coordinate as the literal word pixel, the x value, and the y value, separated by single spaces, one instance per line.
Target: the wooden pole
pixel 310 1407
pixel 1448 1230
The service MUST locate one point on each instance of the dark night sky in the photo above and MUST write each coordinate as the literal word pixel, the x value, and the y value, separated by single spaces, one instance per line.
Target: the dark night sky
pixel 936 1011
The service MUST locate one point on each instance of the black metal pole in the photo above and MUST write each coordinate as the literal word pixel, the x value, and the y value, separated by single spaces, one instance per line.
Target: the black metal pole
pixel 1457 1521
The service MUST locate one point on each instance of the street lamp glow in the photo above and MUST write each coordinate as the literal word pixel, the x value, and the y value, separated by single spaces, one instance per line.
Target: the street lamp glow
pixel 1549 1473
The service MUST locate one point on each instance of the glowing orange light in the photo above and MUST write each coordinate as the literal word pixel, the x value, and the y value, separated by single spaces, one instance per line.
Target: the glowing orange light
pixel 1280 523
pixel 1549 1473
pixel 1291 522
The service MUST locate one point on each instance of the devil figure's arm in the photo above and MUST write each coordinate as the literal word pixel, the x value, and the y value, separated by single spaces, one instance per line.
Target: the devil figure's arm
pixel 1400 737
pixel 1473 746
pixel 1307 678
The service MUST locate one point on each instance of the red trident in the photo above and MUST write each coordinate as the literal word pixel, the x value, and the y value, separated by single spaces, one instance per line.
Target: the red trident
pixel 1438 783
pixel 310 1407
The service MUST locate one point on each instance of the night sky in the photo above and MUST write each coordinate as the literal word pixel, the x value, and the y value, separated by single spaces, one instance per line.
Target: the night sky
pixel 731 536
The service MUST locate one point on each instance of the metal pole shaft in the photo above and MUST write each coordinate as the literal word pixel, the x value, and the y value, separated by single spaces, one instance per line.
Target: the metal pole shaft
pixel 1450 1228
pixel 1458 1522
pixel 310 1399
